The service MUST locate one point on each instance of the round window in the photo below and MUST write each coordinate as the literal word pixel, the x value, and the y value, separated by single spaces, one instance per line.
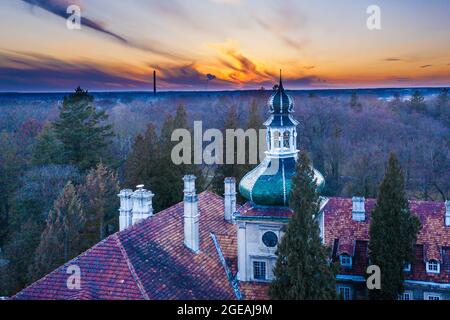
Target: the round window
pixel 270 239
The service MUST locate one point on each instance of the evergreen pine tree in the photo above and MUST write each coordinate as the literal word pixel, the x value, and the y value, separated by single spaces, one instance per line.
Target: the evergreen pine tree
pixel 9 171
pixel 393 233
pixel 169 189
pixel 142 164
pixel 442 105
pixel 47 149
pixel 99 198
pixel 181 122
pixel 417 102
pixel 61 239
pixel 82 130
pixel 303 270
pixel 19 251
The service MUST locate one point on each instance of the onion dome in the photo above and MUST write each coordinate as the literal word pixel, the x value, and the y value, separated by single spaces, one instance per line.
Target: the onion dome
pixel 266 186
pixel 280 102
pixel 269 184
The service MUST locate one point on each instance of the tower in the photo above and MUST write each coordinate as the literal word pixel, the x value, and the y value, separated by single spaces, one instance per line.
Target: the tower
pixel 262 220
pixel 154 82
pixel 270 183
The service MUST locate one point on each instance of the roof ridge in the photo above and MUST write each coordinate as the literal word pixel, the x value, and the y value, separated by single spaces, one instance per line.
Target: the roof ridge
pixel 131 268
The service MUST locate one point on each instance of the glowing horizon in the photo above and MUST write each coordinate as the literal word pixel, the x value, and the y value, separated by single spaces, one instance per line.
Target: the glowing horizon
pixel 223 45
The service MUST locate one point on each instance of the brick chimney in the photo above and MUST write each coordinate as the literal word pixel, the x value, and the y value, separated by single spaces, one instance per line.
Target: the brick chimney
pixel 230 198
pixel 126 207
pixel 142 204
pixel 447 213
pixel 359 210
pixel 191 215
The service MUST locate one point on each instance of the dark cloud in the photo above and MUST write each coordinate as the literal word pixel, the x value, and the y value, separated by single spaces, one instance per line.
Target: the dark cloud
pixel 187 76
pixel 295 44
pixel 286 21
pixel 426 66
pixel 35 72
pixel 393 59
pixel 304 81
pixel 245 66
pixel 402 79
pixel 59 8
pixel 309 67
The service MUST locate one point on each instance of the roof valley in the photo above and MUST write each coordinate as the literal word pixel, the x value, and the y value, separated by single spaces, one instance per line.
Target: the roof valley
pixel 131 268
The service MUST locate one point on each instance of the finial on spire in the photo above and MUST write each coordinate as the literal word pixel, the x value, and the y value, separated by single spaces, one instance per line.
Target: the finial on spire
pixel 281 80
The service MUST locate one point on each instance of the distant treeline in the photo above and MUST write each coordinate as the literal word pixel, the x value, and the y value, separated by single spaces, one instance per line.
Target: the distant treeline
pixel 63 157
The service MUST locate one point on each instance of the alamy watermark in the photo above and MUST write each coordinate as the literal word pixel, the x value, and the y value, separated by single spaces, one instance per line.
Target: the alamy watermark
pixel 74 280
pixel 374 280
pixel 239 146
pixel 374 19
pixel 73 22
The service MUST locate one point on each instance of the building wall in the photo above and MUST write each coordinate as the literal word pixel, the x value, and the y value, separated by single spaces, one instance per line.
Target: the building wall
pixel 359 291
pixel 251 248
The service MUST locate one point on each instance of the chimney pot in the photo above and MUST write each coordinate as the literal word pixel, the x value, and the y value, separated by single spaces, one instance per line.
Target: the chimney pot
pixel 230 198
pixel 126 207
pixel 142 204
pixel 191 215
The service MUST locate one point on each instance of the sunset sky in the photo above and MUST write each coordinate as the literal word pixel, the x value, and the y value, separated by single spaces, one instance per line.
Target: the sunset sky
pixel 223 44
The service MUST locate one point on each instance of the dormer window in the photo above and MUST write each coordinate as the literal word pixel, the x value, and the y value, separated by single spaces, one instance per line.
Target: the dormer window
pixel 345 261
pixel 433 266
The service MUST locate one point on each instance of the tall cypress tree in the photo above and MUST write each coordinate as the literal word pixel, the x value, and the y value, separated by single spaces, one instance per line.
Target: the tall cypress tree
pixel 169 188
pixel 181 122
pixel 150 163
pixel 99 198
pixel 61 240
pixel 393 233
pixel 82 130
pixel 303 270
pixel 141 166
pixel 228 170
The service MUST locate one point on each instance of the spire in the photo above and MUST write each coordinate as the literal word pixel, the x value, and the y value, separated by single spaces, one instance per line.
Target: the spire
pixel 281 81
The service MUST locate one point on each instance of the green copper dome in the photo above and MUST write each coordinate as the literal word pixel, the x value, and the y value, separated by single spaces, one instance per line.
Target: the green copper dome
pixel 269 184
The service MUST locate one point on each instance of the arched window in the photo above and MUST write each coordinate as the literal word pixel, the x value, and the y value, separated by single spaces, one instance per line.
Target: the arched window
pixel 276 138
pixel 286 139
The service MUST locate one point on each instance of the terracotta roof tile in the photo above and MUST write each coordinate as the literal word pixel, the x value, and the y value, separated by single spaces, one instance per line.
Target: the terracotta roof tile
pixel 432 238
pixel 150 261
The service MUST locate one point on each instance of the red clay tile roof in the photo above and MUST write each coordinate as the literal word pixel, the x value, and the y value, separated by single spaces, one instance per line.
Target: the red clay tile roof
pixel 351 237
pixel 254 290
pixel 104 275
pixel 150 261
